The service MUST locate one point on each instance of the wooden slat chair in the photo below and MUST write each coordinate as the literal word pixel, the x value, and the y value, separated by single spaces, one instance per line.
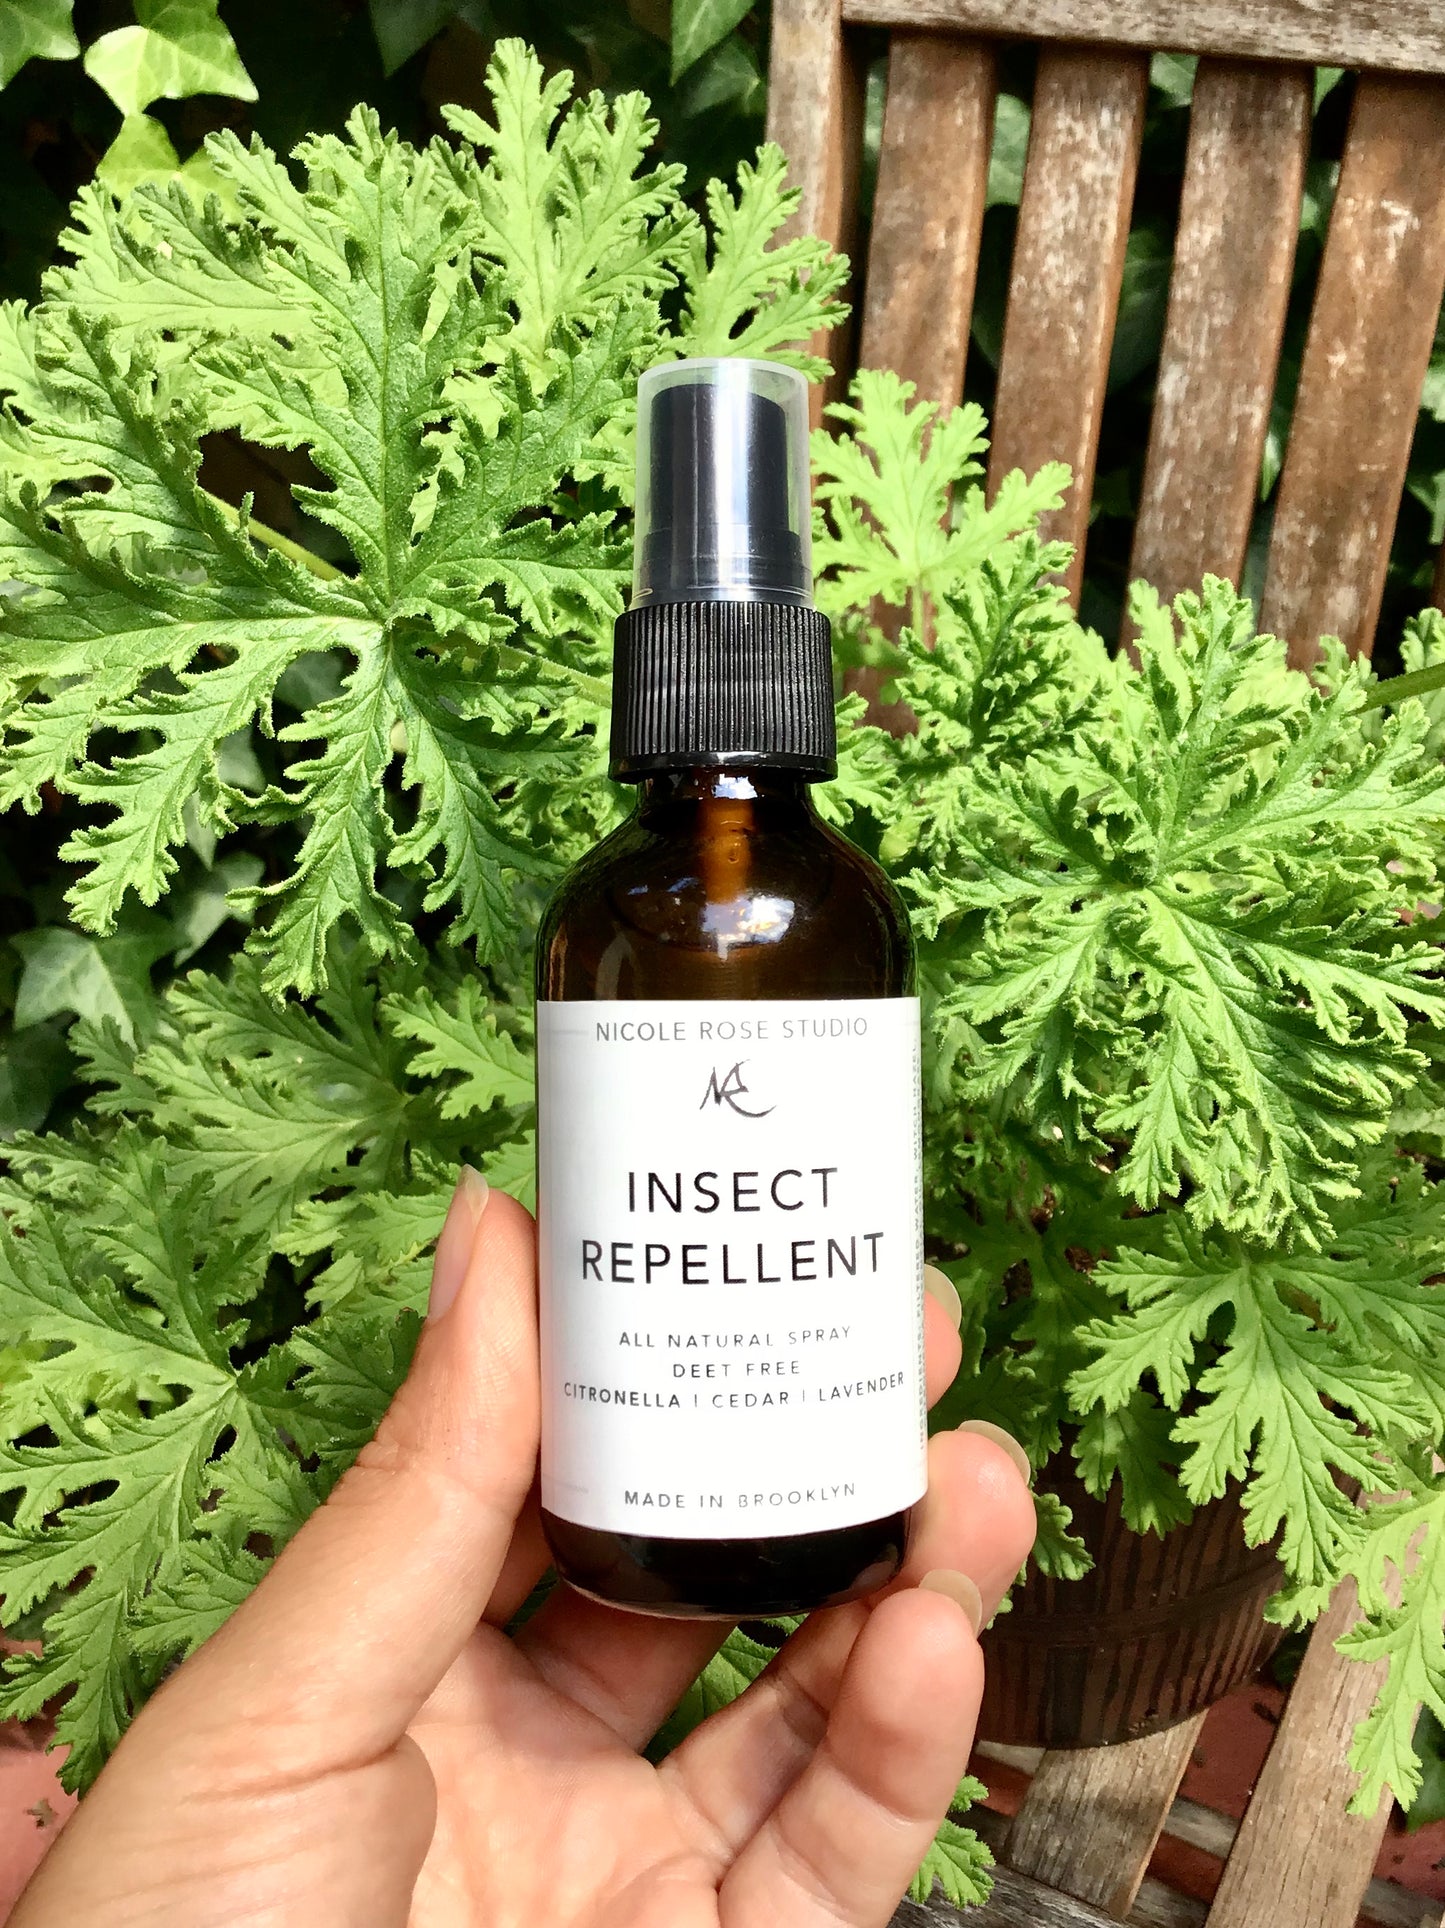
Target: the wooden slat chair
pixel 1078 1850
pixel 1375 309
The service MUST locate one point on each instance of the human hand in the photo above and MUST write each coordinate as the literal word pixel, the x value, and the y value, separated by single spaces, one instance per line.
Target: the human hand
pixel 362 1744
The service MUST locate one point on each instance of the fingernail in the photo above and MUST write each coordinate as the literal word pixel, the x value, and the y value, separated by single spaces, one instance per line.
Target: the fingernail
pixel 454 1245
pixel 986 1429
pixel 960 1589
pixel 938 1285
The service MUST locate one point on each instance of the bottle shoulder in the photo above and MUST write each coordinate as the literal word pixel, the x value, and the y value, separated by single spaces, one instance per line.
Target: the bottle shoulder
pixel 767 902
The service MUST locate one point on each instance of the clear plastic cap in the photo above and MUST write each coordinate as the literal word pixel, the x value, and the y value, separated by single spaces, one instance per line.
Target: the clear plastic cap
pixel 723 509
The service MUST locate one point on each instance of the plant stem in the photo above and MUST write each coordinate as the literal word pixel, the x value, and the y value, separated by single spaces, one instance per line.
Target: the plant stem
pixel 1394 689
pixel 273 539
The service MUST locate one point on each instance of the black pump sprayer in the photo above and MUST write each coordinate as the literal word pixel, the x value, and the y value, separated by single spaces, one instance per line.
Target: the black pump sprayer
pixel 722 654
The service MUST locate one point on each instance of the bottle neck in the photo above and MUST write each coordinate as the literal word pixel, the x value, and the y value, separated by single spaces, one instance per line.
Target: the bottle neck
pixel 661 794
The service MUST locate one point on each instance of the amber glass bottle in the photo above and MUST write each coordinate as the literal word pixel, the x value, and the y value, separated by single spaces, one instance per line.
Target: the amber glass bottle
pixel 728 1062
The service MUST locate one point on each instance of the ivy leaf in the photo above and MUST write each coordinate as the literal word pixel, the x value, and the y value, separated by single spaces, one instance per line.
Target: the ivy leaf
pixel 95 978
pixel 35 1067
pixel 141 151
pixel 202 908
pixel 403 28
pixel 698 25
pixel 177 48
pixel 35 29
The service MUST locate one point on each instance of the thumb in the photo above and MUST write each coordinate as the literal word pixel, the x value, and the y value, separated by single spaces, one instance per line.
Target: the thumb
pixel 369 1604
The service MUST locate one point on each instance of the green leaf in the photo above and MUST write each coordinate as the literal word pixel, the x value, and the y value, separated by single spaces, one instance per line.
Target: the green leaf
pixel 126 1305
pixel 268 1103
pixel 35 29
pixel 452 334
pixel 141 151
pixel 1143 302
pixel 561 208
pixel 380 1244
pixel 96 978
pixel 1173 76
pixel 1188 934
pixel 1009 154
pixel 513 1169
pixel 1135 1445
pixel 957 1862
pixel 748 295
pixel 884 530
pixel 35 1067
pixel 177 48
pixel 198 911
pixel 462 1037
pixel 728 76
pixel 698 25
pixel 1428 1805
pixel 731 1671
pixel 403 27
pixel 1400 1571
pixel 1289 1370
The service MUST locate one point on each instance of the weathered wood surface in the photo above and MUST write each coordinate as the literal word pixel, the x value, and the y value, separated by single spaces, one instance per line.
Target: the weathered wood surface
pixel 1233 256
pixel 1299 1860
pixel 928 210
pixel 815 114
pixel 1090 1819
pixel 1399 36
pixel 1386 1904
pixel 1018 1902
pixel 1088 122
pixel 1374 318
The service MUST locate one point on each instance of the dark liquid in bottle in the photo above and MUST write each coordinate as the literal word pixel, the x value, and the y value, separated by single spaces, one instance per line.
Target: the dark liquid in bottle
pixel 726 884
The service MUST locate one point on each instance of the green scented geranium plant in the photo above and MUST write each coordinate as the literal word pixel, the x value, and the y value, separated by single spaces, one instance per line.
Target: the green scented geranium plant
pixel 1183 984
pixel 1175 920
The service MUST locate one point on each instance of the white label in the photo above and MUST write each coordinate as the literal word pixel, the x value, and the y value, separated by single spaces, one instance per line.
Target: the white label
pixel 731 1236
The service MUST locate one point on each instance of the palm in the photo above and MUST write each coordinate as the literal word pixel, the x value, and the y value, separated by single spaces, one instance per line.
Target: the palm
pixel 545 1814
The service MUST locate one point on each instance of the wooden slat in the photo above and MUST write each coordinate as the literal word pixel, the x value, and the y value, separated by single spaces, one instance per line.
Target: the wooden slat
pixel 1374 318
pixel 1398 36
pixel 928 210
pixel 1238 219
pixel 1090 1819
pixel 1299 1860
pixel 1386 1904
pixel 807 83
pixel 815 114
pixel 1018 1902
pixel 1088 122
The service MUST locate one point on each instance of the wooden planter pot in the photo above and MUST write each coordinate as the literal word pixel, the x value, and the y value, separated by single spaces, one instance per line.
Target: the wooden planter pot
pixel 1159 1630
